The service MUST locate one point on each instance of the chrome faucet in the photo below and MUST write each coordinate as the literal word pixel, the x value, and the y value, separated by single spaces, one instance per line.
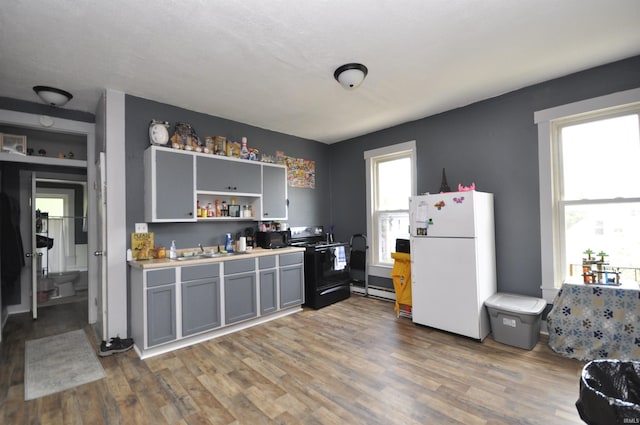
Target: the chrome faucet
pixel 201 248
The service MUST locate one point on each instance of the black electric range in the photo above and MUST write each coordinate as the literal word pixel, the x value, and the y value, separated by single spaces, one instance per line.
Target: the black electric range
pixel 326 266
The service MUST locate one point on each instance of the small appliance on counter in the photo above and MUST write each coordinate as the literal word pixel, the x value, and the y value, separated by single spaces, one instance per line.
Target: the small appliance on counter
pixel 275 239
pixel 326 268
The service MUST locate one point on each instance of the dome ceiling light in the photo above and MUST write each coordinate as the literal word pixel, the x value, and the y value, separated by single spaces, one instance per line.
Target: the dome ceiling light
pixel 350 75
pixel 53 96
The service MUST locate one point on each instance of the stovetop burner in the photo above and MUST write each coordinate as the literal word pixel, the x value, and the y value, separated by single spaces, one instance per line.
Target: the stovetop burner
pixel 310 236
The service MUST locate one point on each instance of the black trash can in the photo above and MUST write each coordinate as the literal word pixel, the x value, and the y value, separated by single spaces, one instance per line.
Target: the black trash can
pixel 610 392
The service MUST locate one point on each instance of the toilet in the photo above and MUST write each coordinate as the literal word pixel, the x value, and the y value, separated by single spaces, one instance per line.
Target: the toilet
pixel 63 284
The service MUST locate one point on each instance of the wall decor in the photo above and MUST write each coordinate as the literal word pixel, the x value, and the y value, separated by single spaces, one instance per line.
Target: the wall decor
pixel 301 172
pixel 11 143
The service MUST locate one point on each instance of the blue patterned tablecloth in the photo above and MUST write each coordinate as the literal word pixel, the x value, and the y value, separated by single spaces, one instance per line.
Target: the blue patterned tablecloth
pixel 590 322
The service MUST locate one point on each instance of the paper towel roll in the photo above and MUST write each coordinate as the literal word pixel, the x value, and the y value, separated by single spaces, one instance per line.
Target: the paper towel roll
pixel 242 244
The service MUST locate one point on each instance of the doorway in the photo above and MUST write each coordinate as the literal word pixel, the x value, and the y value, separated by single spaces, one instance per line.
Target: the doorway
pixel 57 164
pixel 61 248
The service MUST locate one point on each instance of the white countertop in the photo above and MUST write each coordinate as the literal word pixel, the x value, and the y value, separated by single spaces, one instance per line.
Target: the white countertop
pixel 255 252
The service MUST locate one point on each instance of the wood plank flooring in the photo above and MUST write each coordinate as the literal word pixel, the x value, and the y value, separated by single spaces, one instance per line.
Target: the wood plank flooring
pixel 353 362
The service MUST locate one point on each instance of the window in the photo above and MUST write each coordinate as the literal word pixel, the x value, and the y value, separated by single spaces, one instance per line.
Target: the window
pixel 589 191
pixel 55 207
pixel 390 183
pixel 599 191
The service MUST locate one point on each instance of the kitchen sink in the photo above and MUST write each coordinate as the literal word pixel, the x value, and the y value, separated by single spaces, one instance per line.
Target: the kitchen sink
pixel 208 255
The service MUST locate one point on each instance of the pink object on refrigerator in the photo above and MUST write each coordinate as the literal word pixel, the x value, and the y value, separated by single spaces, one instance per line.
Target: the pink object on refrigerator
pixel 453 268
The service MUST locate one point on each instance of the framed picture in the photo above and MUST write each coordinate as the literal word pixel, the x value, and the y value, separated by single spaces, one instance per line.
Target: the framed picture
pixel 234 210
pixel 11 143
pixel 220 145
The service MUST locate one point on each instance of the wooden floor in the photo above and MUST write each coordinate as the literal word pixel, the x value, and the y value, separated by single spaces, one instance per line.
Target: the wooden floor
pixel 350 363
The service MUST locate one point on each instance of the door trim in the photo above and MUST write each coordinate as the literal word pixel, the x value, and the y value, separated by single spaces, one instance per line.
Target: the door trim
pixel 23 119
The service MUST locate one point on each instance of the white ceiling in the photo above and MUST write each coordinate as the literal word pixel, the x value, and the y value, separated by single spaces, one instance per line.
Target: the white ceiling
pixel 271 63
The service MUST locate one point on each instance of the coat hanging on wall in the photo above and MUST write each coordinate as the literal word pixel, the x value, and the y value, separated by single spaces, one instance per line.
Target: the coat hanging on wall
pixel 12 252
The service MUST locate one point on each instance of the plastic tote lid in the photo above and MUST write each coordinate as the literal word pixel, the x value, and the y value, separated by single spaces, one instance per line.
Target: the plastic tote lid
pixel 513 303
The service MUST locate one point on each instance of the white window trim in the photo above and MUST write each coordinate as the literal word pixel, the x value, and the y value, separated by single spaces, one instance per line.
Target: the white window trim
pixel 385 271
pixel 552 274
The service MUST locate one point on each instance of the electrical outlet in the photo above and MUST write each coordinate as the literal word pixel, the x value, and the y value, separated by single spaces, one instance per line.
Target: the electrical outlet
pixel 142 228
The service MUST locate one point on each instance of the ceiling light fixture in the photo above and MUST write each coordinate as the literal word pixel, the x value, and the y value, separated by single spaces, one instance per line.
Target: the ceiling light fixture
pixel 52 96
pixel 350 75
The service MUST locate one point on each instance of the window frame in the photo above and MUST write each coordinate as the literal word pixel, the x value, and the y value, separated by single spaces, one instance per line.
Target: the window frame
pixel 371 157
pixel 551 225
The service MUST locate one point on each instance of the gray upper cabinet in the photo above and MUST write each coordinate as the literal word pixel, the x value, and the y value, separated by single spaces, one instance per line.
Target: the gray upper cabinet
pixel 169 185
pixel 274 193
pixel 226 175
pixel 174 179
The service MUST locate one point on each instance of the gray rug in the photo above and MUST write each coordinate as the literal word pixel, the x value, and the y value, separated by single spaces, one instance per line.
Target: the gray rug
pixel 59 362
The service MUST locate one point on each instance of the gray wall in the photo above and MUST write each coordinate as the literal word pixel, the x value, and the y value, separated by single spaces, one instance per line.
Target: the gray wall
pixel 492 143
pixel 306 206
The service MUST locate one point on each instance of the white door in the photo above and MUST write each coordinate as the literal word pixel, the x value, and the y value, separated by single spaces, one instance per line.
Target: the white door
pixel 33 252
pixel 101 274
pixel 451 215
pixel 444 285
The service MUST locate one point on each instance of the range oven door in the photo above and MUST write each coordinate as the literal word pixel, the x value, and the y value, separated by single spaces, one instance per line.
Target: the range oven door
pixel 327 277
pixel 332 264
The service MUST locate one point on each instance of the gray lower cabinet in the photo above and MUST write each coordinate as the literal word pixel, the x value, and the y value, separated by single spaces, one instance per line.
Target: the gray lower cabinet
pixel 250 287
pixel 161 306
pixel 200 298
pixel 291 279
pixel 268 284
pixel 240 290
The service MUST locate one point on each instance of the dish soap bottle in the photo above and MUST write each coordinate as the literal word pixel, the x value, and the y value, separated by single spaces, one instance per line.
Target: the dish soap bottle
pixel 227 243
pixel 172 251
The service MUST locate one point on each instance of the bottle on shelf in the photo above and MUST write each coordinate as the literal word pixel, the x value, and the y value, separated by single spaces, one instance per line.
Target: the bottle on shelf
pixel 198 209
pixel 218 212
pixel 244 151
pixel 172 251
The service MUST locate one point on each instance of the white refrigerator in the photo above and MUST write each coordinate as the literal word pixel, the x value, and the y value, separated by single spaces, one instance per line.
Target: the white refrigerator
pixel 453 267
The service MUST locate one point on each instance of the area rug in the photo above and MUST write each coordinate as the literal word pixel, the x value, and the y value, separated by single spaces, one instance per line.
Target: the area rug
pixel 57 363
